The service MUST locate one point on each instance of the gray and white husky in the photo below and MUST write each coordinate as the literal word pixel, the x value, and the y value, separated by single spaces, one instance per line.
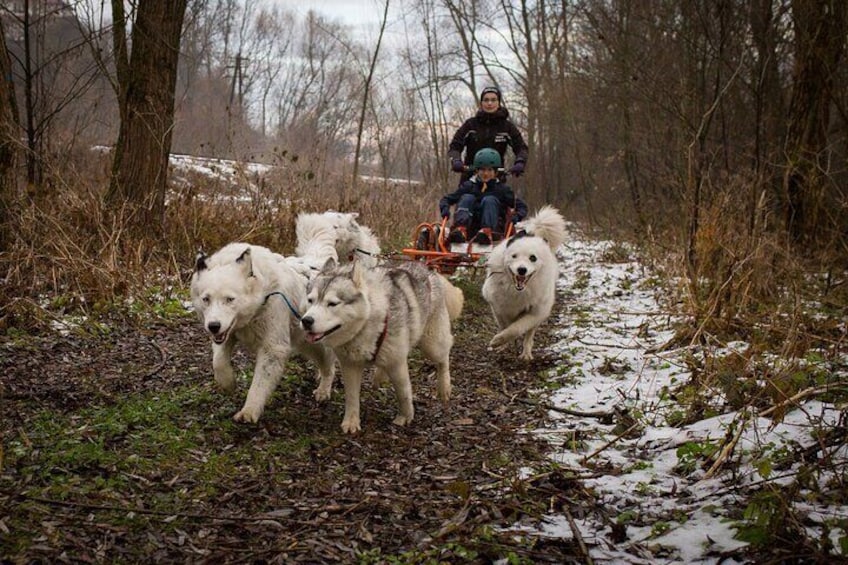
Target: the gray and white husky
pixel 376 316
pixel 246 294
pixel 521 275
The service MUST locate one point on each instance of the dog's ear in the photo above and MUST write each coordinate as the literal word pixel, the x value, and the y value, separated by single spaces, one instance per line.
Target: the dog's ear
pixel 246 262
pixel 328 265
pixel 358 274
pixel 200 262
pixel 515 237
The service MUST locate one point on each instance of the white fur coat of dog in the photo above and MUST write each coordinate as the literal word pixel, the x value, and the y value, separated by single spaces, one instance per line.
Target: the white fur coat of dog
pixel 246 295
pixel 332 235
pixel 521 275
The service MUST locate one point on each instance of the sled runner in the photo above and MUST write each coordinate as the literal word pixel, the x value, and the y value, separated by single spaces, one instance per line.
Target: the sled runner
pixel 430 245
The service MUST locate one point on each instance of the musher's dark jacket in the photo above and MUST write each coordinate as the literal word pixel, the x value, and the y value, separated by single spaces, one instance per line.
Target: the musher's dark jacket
pixel 494 130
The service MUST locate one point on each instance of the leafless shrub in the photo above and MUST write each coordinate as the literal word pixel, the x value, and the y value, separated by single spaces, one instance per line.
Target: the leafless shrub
pixel 750 286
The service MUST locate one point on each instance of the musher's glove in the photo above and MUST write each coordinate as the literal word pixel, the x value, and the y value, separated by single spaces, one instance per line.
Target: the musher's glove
pixel 517 169
pixel 457 166
pixel 515 219
pixel 445 211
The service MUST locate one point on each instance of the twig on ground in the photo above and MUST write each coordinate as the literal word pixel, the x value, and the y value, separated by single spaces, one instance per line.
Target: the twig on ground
pixel 754 485
pixel 731 445
pixel 610 345
pixel 810 391
pixel 163 359
pixel 579 538
pixel 727 449
pixel 569 411
pixel 164 514
pixel 454 522
pixel 609 443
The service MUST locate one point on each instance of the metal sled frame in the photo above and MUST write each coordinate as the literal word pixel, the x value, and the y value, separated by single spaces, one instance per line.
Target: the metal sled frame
pixel 435 251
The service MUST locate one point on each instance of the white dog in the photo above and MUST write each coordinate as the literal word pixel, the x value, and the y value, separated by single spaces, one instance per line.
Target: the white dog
pixel 332 235
pixel 376 316
pixel 245 294
pixel 521 275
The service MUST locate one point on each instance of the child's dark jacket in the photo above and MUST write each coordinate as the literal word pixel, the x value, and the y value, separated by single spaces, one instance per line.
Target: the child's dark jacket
pixel 475 186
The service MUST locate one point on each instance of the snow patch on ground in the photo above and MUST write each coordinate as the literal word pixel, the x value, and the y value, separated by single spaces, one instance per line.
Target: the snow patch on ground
pixel 647 478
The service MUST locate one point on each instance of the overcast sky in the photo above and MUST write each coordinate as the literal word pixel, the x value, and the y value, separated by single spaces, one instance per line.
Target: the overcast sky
pixel 363 13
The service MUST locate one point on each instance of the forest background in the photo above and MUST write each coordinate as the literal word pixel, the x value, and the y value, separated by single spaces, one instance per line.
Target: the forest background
pixel 711 134
pixel 714 133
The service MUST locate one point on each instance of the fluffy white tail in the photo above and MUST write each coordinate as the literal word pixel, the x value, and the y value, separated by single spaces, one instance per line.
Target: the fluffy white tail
pixel 454 299
pixel 316 237
pixel 548 224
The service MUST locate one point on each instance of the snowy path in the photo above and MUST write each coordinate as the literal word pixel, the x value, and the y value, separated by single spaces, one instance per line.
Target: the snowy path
pixel 649 478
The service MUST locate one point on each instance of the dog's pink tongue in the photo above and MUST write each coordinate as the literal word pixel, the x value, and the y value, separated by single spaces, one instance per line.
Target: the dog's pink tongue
pixel 312 338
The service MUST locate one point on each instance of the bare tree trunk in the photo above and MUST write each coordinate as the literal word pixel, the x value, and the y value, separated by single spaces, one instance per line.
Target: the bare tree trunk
pixel 9 132
pixel 710 103
pixel 32 167
pixel 820 29
pixel 147 84
pixel 365 96
pixel 768 101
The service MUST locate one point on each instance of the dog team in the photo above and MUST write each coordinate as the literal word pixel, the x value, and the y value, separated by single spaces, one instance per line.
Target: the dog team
pixel 334 301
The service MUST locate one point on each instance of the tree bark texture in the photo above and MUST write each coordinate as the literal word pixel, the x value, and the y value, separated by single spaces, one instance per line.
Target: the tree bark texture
pixel 140 166
pixel 9 134
pixel 820 30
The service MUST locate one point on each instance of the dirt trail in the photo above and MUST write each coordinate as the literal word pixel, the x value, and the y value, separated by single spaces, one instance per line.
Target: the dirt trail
pixel 440 488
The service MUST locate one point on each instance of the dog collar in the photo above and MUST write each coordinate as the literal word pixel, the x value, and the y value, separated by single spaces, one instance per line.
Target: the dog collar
pixel 381 338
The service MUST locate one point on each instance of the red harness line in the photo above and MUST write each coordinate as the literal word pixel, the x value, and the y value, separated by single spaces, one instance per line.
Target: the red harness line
pixel 381 338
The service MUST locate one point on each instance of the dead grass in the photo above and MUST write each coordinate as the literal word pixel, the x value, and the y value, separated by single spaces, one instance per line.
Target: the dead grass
pixel 764 315
pixel 69 255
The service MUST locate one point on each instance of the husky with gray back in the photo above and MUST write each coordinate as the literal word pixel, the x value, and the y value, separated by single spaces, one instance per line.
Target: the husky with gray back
pixel 375 316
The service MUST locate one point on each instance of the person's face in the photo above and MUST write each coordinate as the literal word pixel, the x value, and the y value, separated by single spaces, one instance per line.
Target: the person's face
pixel 486 173
pixel 489 103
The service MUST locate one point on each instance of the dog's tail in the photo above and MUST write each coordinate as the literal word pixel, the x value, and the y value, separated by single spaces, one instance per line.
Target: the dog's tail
pixel 454 299
pixel 548 224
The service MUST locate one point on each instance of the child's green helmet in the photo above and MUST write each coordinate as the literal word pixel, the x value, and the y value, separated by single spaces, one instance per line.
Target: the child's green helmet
pixel 487 158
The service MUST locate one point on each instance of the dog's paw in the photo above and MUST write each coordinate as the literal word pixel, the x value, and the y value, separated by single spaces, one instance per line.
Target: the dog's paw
pixel 526 355
pixel 248 415
pixel 498 341
pixel 351 425
pixel 323 392
pixel 401 420
pixel 443 392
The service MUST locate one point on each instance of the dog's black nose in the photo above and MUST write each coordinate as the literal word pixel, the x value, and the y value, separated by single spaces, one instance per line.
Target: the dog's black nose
pixel 522 271
pixel 214 327
pixel 307 322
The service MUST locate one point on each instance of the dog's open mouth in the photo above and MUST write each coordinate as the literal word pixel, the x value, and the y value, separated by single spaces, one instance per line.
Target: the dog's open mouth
pixel 520 281
pixel 220 337
pixel 313 337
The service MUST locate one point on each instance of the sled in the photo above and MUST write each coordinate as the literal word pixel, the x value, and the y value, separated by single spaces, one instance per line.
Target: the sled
pixel 430 246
